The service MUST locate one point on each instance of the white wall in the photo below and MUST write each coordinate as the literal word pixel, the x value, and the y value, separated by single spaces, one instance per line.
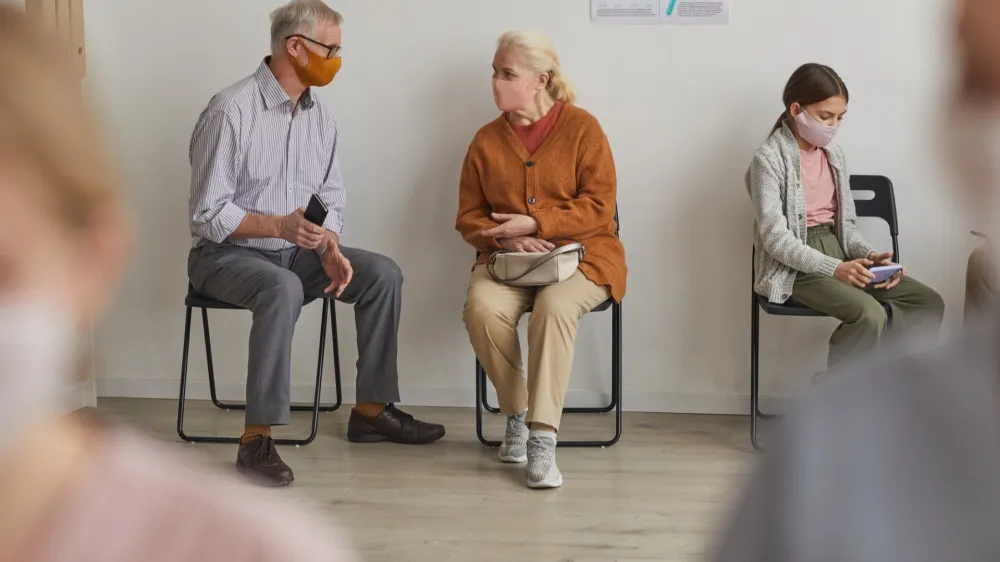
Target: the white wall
pixel 684 109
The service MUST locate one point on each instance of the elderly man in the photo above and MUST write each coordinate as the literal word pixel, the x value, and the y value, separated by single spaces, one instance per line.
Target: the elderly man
pixel 901 462
pixel 260 150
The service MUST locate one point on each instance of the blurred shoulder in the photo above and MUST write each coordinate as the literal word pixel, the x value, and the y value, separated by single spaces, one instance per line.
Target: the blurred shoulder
pixel 914 399
pixel 210 512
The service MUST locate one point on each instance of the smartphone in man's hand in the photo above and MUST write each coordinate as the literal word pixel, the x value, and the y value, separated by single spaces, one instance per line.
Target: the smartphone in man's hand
pixel 316 211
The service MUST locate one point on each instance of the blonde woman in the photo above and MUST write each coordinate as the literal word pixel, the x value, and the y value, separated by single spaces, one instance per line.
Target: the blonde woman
pixel 537 175
pixel 76 488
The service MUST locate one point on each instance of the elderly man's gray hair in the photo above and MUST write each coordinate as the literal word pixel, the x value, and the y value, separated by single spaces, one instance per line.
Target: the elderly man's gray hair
pixel 299 18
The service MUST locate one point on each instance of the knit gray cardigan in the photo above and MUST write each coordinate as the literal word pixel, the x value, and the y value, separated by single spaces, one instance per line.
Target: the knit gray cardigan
pixel 774 182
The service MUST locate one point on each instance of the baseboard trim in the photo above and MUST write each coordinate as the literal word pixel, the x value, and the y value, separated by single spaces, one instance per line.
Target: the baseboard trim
pixel 667 402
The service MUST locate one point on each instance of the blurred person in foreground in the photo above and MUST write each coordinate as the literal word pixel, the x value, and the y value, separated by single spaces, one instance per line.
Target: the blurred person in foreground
pixel 901 460
pixel 74 487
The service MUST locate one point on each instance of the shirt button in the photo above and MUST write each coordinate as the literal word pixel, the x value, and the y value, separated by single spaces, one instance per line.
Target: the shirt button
pixel 531 201
pixel 530 164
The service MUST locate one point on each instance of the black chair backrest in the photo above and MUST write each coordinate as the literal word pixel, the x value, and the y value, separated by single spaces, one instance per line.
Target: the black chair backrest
pixel 618 226
pixel 882 205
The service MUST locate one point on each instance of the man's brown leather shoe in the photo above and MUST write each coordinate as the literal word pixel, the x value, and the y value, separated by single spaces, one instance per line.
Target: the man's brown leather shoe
pixel 393 425
pixel 259 460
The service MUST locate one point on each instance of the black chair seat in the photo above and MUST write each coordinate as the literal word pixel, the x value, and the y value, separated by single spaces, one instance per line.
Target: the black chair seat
pixel 792 308
pixel 195 300
pixel 599 308
pixel 604 306
pixel 789 308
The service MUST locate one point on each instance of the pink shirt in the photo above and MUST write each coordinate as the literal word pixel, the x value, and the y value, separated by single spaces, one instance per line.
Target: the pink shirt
pixel 819 187
pixel 137 501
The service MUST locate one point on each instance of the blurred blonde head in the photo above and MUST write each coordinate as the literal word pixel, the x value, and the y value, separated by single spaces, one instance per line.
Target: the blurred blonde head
pixel 537 54
pixel 62 227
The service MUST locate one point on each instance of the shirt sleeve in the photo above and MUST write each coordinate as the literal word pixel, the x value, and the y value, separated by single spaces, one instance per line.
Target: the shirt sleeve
pixel 215 161
pixel 332 192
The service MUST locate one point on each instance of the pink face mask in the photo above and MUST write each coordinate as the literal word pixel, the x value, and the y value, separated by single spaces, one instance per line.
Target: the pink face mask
pixel 814 132
pixel 512 95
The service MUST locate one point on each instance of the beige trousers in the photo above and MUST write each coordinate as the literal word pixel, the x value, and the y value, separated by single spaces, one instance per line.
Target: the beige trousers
pixel 492 312
pixel 980 284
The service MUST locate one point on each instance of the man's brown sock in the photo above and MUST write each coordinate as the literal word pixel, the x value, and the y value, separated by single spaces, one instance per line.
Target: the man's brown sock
pixel 252 431
pixel 370 410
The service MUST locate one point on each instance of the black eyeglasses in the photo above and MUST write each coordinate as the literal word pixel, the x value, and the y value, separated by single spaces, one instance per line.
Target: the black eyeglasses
pixel 331 50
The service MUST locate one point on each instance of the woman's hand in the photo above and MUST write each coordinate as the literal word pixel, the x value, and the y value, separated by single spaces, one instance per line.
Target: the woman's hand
pixel 512 226
pixel 855 272
pixel 527 244
pixel 886 259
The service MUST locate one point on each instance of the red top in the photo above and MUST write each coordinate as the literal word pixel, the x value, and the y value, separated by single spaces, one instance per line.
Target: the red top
pixel 532 136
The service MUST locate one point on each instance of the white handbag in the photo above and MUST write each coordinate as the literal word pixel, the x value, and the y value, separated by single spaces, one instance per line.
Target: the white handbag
pixel 535 269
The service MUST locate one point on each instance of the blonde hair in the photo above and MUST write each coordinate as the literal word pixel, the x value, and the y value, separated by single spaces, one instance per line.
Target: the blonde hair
pixel 299 17
pixel 46 125
pixel 542 58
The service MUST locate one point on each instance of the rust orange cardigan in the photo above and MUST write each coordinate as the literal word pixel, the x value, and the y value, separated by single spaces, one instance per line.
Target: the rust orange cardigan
pixel 568 185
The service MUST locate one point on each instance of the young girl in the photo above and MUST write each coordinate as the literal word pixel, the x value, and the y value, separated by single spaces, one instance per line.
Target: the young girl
pixel 808 247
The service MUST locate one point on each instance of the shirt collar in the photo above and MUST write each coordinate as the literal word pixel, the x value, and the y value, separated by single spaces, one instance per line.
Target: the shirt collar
pixel 272 92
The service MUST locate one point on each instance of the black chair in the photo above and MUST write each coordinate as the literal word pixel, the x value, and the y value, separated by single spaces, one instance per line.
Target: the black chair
pixel 194 300
pixel 882 206
pixel 482 398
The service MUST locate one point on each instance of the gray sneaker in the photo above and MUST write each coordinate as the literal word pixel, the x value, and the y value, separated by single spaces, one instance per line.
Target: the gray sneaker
pixel 515 442
pixel 542 470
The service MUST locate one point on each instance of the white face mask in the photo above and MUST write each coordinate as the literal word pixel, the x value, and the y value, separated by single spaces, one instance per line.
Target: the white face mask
pixel 37 343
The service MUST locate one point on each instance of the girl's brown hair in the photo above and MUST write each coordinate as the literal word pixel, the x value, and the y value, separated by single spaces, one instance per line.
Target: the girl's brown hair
pixel 811 83
pixel 46 124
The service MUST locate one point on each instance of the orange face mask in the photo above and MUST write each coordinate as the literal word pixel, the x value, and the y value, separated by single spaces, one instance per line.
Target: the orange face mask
pixel 318 71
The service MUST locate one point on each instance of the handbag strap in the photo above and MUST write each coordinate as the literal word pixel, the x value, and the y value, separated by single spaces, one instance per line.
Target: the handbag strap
pixel 567 249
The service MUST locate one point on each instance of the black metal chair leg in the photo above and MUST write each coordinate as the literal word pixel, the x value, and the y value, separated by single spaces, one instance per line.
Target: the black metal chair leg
pixel 754 369
pixel 480 400
pixel 295 407
pixel 336 361
pixel 481 392
pixel 315 408
pixel 184 374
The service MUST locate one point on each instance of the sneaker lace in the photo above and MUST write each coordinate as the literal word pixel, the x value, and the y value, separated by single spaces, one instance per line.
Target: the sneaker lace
pixel 515 425
pixel 541 450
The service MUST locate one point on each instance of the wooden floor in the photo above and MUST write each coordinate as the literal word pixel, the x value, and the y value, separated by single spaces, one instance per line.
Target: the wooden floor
pixel 660 494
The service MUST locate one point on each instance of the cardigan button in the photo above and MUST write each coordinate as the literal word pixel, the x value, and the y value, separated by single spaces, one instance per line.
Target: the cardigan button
pixel 531 201
pixel 530 164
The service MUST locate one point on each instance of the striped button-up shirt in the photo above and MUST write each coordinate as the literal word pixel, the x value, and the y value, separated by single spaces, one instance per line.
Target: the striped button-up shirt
pixel 254 152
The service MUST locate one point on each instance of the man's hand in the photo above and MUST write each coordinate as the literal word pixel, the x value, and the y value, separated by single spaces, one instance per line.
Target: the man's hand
pixel 527 244
pixel 855 272
pixel 299 231
pixel 337 268
pixel 512 226
pixel 886 259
